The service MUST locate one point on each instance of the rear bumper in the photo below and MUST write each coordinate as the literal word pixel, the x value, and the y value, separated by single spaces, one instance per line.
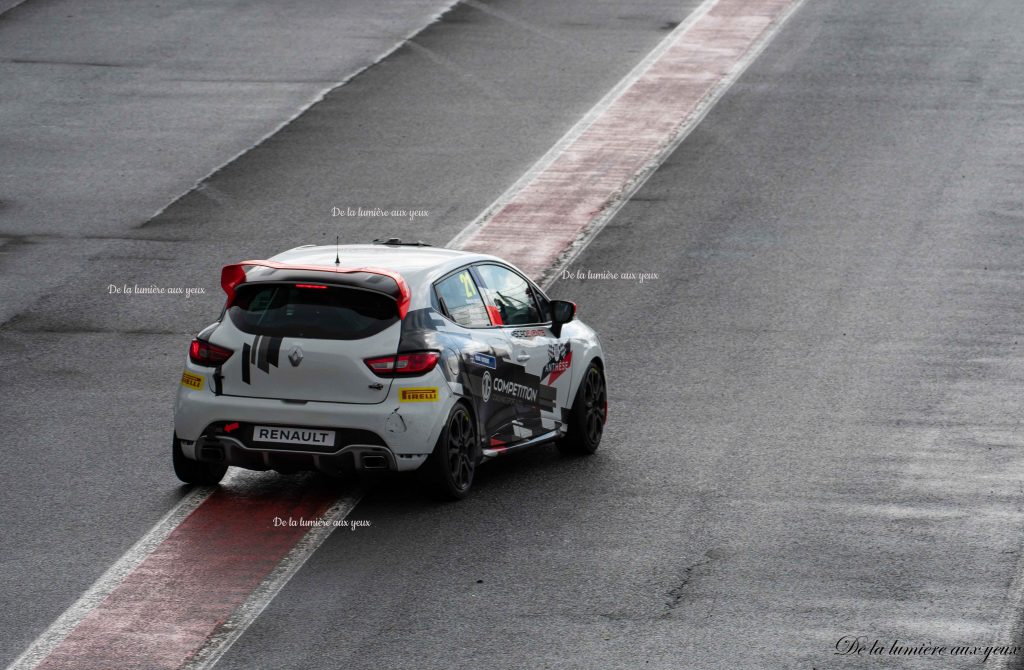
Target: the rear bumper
pixel 392 434
pixel 222 449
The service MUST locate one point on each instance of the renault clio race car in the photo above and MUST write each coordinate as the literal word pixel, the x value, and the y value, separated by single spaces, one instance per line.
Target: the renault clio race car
pixel 385 356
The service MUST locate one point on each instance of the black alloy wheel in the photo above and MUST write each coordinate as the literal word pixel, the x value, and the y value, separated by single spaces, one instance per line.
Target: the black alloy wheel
pixel 448 472
pixel 588 415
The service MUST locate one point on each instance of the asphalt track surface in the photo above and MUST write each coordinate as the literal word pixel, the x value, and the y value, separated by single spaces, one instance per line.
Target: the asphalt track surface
pixel 89 474
pixel 814 408
pixel 111 114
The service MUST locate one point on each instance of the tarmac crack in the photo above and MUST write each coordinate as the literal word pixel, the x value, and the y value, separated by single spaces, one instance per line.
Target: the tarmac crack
pixel 677 593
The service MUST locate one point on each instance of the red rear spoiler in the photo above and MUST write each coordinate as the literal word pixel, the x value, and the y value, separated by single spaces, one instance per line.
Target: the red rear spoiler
pixel 233 275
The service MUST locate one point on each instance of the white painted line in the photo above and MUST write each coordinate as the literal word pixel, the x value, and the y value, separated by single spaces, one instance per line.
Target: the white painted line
pixel 323 93
pixel 115 575
pixel 598 224
pixel 1011 632
pixel 591 167
pixel 243 616
pixel 110 579
pixel 8 5
pixel 221 641
pixel 217 644
pixel 574 133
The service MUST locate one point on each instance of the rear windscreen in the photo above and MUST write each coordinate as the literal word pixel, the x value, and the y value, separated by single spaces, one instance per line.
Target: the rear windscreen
pixel 311 310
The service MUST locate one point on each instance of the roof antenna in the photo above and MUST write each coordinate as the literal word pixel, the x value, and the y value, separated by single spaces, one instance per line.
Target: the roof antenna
pixel 337 250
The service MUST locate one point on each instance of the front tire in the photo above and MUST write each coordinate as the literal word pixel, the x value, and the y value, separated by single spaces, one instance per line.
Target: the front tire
pixel 448 472
pixel 195 472
pixel 588 415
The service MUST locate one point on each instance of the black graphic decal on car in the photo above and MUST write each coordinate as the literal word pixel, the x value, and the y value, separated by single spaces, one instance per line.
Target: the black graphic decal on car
pixel 264 352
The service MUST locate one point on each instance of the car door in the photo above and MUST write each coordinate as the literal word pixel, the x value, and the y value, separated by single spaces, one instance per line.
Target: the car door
pixel 536 379
pixel 486 352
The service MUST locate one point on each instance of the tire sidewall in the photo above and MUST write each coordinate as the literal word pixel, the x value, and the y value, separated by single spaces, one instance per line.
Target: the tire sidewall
pixel 577 441
pixel 440 471
pixel 195 472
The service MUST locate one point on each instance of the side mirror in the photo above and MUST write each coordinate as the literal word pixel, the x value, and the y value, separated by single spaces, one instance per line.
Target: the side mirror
pixel 562 311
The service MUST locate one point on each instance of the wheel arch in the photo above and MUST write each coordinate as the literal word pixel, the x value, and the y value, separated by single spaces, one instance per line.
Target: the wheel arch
pixel 469 403
pixel 592 354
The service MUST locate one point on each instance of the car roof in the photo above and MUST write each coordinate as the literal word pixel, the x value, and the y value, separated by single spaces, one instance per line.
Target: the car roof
pixel 415 263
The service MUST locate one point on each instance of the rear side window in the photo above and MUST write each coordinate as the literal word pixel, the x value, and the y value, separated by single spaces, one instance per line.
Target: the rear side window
pixel 314 311
pixel 462 300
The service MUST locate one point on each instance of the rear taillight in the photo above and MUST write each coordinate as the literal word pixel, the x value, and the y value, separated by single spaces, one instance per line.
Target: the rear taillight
pixel 208 355
pixel 403 365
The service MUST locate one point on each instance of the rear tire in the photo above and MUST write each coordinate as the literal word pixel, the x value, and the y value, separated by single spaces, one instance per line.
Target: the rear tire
pixel 448 472
pixel 195 472
pixel 588 415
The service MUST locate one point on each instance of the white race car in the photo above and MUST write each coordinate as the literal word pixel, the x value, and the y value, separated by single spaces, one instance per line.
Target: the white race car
pixel 385 356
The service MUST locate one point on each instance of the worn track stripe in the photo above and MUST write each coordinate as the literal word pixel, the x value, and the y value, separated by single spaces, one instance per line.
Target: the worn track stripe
pixel 185 592
pixel 55 635
pixel 199 579
pixel 549 215
pixel 226 635
pixel 109 580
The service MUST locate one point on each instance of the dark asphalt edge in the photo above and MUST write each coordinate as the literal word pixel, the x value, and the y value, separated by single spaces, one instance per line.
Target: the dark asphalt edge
pixel 1016 623
pixel 8 5
pixel 11 323
pixel 404 43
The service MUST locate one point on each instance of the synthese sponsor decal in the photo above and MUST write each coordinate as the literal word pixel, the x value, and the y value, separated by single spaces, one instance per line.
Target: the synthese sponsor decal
pixel 559 360
pixel 423 394
pixel 485 360
pixel 194 382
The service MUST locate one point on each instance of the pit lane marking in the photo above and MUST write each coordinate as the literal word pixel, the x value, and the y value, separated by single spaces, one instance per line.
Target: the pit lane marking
pixel 546 219
pixel 186 591
pixel 557 207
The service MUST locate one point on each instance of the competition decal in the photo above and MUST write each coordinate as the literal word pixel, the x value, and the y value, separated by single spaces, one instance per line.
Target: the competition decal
pixel 515 390
pixel 513 385
pixel 194 382
pixel 424 394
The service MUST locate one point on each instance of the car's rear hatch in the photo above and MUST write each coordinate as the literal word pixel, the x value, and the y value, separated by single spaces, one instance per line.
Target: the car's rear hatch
pixel 304 336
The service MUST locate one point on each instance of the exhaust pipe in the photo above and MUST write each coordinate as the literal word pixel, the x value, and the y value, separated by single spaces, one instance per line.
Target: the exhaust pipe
pixel 211 453
pixel 374 462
